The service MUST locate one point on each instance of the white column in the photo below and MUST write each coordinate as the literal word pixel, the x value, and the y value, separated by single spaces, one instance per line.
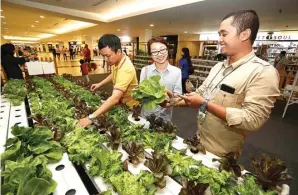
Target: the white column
pixel 144 38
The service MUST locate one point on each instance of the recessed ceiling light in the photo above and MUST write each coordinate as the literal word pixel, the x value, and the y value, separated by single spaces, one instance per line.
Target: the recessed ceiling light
pixel 85 35
pixel 4 22
pixel 2 16
pixel 185 31
pixel 32 26
pixel 41 16
pixel 118 29
pixel 151 24
pixel 37 21
pixel 25 32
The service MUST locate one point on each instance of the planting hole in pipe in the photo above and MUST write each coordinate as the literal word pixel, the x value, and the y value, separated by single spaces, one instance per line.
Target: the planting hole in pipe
pixel 2 111
pixel 18 116
pixel 2 106
pixel 18 110
pixel 17 123
pixel 71 192
pixel 60 167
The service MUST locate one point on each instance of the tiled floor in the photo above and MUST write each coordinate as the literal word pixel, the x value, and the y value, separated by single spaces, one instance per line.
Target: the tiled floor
pixel 73 66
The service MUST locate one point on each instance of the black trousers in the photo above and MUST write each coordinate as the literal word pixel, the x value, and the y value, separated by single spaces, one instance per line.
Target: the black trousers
pixel 184 85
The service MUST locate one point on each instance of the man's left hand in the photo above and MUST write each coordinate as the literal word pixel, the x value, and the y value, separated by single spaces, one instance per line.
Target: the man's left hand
pixel 193 100
pixel 84 122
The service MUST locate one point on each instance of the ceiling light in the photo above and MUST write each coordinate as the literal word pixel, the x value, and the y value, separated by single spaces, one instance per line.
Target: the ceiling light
pixel 21 38
pixel 76 25
pixel 118 29
pixel 4 22
pixel 26 32
pixel 185 31
pixel 125 39
pixel 151 24
pixel 41 17
pixel 85 35
pixel 46 35
pixel 136 7
pixel 37 21
pixel 2 16
pixel 23 42
pixel 32 26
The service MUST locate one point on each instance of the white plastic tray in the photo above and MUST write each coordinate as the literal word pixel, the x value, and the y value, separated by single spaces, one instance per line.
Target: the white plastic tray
pixel 18 116
pixel 4 122
pixel 67 177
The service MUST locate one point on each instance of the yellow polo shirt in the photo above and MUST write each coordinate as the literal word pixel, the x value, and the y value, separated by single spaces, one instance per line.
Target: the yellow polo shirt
pixel 125 80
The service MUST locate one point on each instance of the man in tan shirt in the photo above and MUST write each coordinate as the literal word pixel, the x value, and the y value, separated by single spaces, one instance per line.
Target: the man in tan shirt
pixel 238 94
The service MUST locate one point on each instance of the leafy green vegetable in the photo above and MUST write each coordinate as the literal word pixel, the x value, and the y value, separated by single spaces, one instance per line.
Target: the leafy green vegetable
pixel 157 124
pixel 195 144
pixel 15 91
pixel 82 143
pixel 114 138
pixel 181 165
pixel 108 192
pixel 229 163
pixel 160 167
pixel 250 187
pixel 156 141
pixel 190 188
pixel 128 184
pixel 28 141
pixel 135 151
pixel 216 180
pixel 105 163
pixel 28 176
pixel 269 171
pixel 150 92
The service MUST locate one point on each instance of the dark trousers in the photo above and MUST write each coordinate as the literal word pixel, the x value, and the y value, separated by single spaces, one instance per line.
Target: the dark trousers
pixel 184 85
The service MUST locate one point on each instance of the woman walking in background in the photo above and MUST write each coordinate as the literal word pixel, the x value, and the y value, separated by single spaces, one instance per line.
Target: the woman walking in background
pixel 185 64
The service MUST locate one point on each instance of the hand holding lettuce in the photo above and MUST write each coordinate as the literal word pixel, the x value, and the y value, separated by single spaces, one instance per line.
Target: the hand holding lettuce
pixel 150 92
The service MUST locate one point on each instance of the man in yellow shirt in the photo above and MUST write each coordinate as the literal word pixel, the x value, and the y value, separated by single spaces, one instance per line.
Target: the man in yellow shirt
pixel 123 77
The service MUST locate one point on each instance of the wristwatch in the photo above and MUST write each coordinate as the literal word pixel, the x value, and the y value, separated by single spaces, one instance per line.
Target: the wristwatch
pixel 91 117
pixel 203 107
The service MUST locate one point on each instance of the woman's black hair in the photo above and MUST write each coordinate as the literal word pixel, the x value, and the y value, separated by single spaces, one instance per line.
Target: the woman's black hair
pixel 186 55
pixel 7 49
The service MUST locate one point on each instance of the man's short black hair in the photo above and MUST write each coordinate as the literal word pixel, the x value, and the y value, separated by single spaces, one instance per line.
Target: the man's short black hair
pixel 111 41
pixel 245 19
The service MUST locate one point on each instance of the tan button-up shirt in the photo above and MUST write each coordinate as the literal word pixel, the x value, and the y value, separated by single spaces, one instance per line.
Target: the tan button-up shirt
pixel 256 89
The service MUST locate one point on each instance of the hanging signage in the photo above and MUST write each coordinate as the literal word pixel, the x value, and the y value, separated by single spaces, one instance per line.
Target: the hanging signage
pixel 261 36
pixel 278 36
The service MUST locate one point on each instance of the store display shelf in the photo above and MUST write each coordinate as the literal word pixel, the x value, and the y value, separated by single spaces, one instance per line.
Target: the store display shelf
pixel 142 65
pixel 4 122
pixel 202 66
pixel 197 77
pixel 67 178
pixel 204 72
pixel 137 56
